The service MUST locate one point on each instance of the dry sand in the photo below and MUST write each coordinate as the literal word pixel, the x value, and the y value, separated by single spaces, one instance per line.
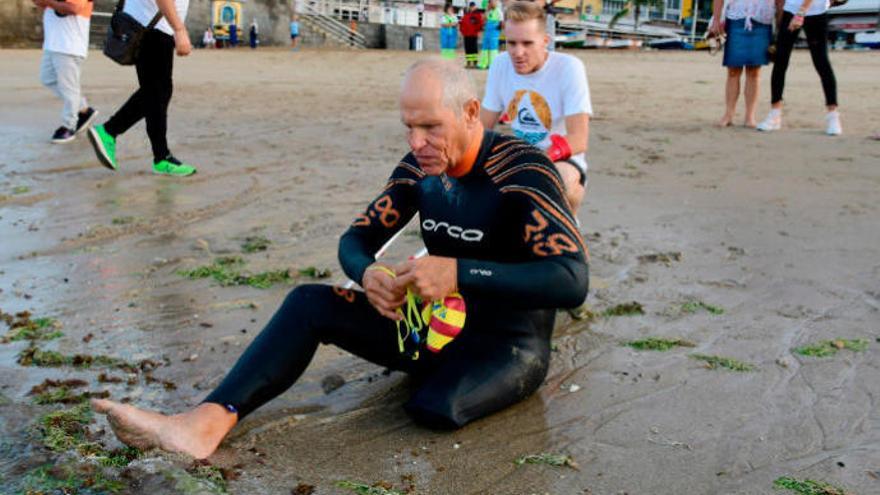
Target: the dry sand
pixel 779 230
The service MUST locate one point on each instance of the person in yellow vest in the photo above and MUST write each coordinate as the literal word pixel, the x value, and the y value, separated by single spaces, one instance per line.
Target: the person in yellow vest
pixel 491 34
pixel 448 33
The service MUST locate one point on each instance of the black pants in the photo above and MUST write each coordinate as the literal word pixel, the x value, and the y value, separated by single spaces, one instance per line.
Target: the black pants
pixel 471 45
pixel 816 27
pixel 489 365
pixel 150 101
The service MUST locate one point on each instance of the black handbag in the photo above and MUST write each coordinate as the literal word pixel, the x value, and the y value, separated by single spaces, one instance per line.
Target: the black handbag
pixel 124 35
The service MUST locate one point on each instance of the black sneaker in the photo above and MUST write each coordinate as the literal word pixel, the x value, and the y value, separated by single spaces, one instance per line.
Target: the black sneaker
pixel 63 135
pixel 85 118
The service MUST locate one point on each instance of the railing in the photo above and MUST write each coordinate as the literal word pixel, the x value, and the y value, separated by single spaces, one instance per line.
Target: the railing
pixel 330 26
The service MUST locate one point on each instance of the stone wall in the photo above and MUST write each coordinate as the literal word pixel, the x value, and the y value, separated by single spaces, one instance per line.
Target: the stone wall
pixel 21 24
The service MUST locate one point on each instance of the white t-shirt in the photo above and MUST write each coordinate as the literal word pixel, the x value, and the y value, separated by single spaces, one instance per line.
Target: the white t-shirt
pixel 538 103
pixel 144 10
pixel 68 34
pixel 816 8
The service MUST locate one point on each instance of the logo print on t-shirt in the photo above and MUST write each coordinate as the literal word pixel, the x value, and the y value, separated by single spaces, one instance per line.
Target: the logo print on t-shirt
pixel 533 118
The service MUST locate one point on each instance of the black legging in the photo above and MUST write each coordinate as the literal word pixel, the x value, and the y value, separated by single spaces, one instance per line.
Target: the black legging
pixel 150 101
pixel 816 27
pixel 499 358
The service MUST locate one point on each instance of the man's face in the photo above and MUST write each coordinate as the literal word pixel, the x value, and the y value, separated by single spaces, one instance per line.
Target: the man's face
pixel 436 135
pixel 526 44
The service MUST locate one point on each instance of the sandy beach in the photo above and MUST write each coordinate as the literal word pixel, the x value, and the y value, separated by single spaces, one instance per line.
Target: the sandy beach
pixel 743 245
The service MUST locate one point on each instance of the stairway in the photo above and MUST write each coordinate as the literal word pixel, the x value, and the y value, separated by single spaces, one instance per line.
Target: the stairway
pixel 331 28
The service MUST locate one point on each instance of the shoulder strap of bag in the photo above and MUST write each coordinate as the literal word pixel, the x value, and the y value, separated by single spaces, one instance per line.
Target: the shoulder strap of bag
pixel 155 20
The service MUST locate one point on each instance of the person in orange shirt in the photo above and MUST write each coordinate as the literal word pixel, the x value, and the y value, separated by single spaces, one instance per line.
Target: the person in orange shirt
pixel 65 47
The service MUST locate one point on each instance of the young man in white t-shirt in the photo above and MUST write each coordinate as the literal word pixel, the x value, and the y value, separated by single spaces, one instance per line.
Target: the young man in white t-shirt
pixel 150 102
pixel 65 47
pixel 545 94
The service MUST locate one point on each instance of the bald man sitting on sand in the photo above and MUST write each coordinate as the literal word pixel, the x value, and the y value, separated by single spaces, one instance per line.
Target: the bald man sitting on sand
pixel 500 236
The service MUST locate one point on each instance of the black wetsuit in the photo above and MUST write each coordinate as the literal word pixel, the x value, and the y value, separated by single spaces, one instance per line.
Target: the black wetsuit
pixel 520 256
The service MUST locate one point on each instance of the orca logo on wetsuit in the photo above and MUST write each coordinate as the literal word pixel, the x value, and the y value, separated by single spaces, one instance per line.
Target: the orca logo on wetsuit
pixel 454 231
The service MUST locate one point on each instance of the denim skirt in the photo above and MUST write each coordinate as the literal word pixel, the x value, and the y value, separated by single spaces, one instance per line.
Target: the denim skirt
pixel 746 48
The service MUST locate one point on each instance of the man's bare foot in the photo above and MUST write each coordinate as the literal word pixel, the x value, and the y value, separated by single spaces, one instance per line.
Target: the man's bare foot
pixel 725 121
pixel 196 433
pixel 751 123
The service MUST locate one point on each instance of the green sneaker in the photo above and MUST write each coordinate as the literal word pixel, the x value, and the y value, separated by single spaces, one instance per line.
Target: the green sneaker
pixel 173 166
pixel 105 146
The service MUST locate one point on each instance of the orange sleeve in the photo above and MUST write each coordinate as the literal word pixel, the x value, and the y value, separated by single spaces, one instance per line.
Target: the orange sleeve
pixel 83 7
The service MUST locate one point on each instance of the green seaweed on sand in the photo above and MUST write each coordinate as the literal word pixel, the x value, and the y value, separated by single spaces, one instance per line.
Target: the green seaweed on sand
pixel 691 307
pixel 119 458
pixel 658 344
pixel 627 309
pixel 829 348
pixel 550 459
pixel 380 488
pixel 314 272
pixel 227 272
pixel 212 474
pixel 34 356
pixel 254 244
pixel 23 327
pixel 21 190
pixel 714 362
pixel 66 478
pixel 64 429
pixel 808 487
pixel 123 220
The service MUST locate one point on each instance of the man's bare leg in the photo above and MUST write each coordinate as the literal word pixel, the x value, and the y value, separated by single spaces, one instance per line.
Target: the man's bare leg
pixel 571 178
pixel 197 432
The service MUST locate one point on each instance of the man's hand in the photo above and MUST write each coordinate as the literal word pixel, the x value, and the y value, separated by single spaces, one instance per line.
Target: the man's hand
pixel 181 42
pixel 431 277
pixel 717 28
pixel 797 21
pixel 383 292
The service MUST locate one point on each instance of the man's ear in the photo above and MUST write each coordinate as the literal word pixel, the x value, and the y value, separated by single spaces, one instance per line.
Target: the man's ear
pixel 472 111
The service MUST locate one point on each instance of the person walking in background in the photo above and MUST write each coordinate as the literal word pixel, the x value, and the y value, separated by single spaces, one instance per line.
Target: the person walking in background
pixel 65 46
pixel 811 15
pixel 253 34
pixel 448 32
pixel 294 32
pixel 470 27
pixel 749 29
pixel 150 102
pixel 491 34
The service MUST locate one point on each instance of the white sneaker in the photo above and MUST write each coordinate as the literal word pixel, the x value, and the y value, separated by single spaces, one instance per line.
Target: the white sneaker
pixel 832 123
pixel 773 122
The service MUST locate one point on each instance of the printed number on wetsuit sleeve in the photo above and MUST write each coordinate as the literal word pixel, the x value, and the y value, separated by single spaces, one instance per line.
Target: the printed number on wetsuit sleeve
pixel 382 209
pixel 544 244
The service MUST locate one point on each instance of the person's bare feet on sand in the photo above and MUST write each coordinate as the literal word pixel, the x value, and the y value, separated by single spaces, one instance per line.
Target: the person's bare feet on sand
pixel 196 433
pixel 726 121
pixel 751 123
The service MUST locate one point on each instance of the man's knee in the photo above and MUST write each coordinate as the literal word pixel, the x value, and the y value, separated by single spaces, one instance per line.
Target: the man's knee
pixel 306 300
pixel 433 411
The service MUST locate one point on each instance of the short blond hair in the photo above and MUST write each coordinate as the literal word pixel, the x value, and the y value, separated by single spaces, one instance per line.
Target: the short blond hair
pixel 522 11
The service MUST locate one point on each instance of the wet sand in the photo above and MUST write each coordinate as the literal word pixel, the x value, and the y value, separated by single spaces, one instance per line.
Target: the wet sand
pixel 778 230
